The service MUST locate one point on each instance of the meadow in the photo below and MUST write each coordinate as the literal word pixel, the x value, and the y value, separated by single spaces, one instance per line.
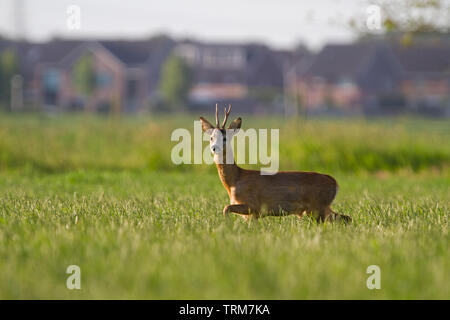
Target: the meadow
pixel 103 194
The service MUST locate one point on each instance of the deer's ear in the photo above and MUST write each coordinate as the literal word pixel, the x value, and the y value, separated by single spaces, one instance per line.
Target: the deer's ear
pixel 236 124
pixel 205 124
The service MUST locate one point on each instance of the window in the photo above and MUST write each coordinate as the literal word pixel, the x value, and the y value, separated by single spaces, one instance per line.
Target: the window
pixel 104 79
pixel 51 79
pixel 345 82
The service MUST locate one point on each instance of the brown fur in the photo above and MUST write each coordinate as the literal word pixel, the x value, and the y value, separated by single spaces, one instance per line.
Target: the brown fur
pixel 253 195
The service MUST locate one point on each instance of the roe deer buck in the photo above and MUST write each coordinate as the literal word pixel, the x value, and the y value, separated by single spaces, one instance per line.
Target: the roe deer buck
pixel 253 195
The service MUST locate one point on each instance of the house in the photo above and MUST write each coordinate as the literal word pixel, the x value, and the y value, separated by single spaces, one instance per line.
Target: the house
pixel 425 80
pixel 348 77
pixel 126 73
pixel 375 77
pixel 369 76
pixel 143 61
pixel 54 75
pixel 250 76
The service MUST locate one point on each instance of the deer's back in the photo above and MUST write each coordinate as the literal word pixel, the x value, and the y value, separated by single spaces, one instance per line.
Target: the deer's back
pixel 289 191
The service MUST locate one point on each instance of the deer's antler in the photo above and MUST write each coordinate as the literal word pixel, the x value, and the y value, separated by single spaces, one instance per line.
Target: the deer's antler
pixel 217 117
pixel 227 113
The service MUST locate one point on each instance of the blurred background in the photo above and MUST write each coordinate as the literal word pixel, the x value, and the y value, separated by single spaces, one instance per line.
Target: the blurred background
pixel 354 86
pixel 326 57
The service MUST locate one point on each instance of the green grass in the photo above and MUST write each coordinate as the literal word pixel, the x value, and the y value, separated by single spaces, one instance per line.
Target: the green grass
pixel 90 192
pixel 65 143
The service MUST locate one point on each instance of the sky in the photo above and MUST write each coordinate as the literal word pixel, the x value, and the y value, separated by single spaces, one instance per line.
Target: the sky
pixel 279 23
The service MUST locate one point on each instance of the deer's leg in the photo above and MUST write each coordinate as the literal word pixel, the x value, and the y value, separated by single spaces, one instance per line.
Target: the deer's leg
pixel 322 214
pixel 237 208
pixel 300 215
pixel 341 217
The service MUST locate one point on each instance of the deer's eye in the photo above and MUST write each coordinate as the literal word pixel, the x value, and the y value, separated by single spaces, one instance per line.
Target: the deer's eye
pixel 210 138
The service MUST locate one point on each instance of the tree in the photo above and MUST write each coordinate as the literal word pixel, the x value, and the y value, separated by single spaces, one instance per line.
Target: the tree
pixel 8 68
pixel 175 82
pixel 407 18
pixel 84 78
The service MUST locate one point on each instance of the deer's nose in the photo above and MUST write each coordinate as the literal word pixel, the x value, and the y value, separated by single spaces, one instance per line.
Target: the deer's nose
pixel 214 149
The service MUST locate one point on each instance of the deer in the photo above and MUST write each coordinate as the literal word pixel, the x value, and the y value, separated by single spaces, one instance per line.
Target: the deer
pixel 253 195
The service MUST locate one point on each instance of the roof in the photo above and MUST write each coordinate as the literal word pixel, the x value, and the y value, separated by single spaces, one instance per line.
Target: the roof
pixel 54 51
pixel 129 52
pixel 264 66
pixel 337 60
pixel 424 58
pixel 349 60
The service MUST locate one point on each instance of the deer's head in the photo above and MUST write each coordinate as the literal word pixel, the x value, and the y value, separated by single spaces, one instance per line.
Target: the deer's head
pixel 219 136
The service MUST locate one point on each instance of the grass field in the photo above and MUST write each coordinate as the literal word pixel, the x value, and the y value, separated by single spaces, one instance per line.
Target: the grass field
pixel 102 194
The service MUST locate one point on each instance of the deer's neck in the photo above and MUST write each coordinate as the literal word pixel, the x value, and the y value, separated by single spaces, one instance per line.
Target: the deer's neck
pixel 228 172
